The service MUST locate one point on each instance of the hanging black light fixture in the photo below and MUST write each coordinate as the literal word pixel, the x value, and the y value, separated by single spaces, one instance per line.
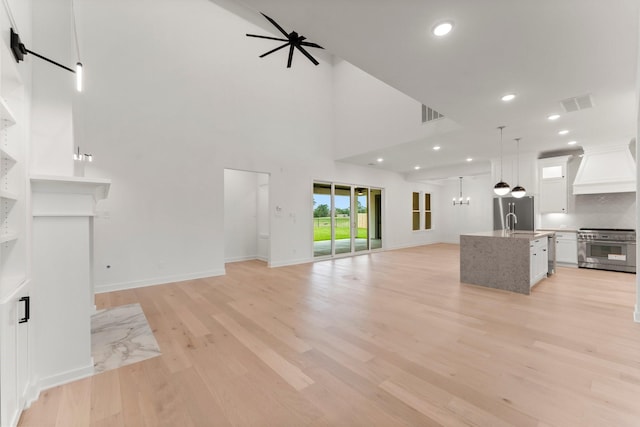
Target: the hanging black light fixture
pixel 518 191
pixel 501 188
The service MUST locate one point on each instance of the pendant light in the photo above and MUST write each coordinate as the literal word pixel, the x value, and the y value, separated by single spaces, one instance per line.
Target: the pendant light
pixel 501 188
pixel 79 69
pixel 460 201
pixel 518 191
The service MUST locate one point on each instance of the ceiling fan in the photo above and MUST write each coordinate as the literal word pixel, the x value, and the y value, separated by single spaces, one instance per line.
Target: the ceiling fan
pixel 293 40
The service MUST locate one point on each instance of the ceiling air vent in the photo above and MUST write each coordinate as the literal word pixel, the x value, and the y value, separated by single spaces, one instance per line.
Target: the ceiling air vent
pixel 577 103
pixel 429 114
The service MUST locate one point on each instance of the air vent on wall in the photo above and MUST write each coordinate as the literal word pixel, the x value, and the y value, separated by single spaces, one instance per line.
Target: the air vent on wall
pixel 429 114
pixel 577 103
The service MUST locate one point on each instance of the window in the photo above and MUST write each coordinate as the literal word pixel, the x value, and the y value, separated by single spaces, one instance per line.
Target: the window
pixel 427 211
pixel 416 211
pixel 421 211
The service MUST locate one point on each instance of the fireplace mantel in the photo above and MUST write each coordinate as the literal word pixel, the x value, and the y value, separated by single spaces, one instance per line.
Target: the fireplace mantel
pixel 67 195
pixel 63 209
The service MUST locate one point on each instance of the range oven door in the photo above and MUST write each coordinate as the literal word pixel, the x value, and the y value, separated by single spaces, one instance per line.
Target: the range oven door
pixel 607 255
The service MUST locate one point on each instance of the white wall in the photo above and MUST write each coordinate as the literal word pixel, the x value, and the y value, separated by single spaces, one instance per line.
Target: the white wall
pixel 370 114
pixel 169 106
pixel 52 141
pixel 475 217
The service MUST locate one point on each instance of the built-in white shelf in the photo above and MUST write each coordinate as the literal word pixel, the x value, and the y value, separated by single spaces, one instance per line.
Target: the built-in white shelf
pixel 8 237
pixel 5 154
pixel 7 117
pixel 8 195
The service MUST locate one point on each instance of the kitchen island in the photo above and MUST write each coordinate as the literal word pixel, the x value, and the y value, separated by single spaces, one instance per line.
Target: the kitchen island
pixel 512 261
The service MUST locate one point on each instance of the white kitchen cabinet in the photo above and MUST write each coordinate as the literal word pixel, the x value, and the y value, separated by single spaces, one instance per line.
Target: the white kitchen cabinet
pixel 14 355
pixel 552 174
pixel 538 260
pixel 567 248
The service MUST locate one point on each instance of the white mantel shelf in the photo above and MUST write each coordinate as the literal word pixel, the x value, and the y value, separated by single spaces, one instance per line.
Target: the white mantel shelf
pixel 99 187
pixel 67 195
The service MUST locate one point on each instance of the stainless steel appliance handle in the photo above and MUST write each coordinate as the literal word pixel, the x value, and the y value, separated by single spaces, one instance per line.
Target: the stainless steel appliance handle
pixel 613 242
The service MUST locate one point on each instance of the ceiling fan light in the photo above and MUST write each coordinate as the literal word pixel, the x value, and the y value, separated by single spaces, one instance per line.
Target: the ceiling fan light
pixel 501 188
pixel 518 192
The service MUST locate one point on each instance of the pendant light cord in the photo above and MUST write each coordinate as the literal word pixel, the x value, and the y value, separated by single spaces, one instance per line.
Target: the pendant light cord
pixel 518 160
pixel 501 128
pixel 75 29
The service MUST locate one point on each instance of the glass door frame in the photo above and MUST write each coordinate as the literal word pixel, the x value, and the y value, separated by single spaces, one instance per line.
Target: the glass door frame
pixel 353 214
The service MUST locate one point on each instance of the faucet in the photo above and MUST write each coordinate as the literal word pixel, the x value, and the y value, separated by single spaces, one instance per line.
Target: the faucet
pixel 507 223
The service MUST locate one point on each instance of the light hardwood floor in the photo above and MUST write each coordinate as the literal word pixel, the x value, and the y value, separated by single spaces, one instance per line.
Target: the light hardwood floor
pixel 386 339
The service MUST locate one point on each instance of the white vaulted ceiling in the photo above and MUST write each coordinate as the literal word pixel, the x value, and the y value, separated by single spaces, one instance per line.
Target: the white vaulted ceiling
pixel 544 51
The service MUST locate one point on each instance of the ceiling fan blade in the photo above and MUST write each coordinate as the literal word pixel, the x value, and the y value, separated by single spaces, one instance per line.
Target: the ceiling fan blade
pixel 275 24
pixel 290 57
pixel 273 50
pixel 266 37
pixel 311 45
pixel 311 58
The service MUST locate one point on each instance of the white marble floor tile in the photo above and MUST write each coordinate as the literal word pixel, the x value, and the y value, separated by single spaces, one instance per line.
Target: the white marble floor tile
pixel 121 336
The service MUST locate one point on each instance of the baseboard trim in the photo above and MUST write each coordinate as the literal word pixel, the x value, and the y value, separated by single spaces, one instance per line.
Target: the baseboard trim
pixel 157 281
pixel 64 378
pixel 291 262
pixel 33 394
pixel 241 258
pixel 412 245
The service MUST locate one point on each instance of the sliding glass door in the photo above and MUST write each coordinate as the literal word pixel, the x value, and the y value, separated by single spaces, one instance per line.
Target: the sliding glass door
pixel 362 219
pixel 342 219
pixel 346 219
pixel 375 229
pixel 322 224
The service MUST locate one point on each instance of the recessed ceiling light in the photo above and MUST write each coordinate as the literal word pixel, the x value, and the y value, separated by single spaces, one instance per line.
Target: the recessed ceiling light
pixel 469 159
pixel 554 117
pixel 416 167
pixel 572 142
pixel 442 29
pixel 437 147
pixel 508 97
pixel 380 160
pixel 563 132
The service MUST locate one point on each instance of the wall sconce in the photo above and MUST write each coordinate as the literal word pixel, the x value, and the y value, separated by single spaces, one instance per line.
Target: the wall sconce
pixel 461 201
pixel 86 157
pixel 19 51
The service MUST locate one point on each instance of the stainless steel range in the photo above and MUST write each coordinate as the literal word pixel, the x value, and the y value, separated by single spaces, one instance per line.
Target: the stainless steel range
pixel 607 249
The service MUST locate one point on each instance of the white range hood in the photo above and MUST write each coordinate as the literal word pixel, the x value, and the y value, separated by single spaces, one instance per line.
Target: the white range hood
pixel 606 169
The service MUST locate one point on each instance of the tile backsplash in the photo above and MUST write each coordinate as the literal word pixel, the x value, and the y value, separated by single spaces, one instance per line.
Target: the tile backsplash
pixel 611 210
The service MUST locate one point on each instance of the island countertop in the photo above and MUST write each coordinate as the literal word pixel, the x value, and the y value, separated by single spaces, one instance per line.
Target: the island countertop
pixel 529 235
pixel 512 261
